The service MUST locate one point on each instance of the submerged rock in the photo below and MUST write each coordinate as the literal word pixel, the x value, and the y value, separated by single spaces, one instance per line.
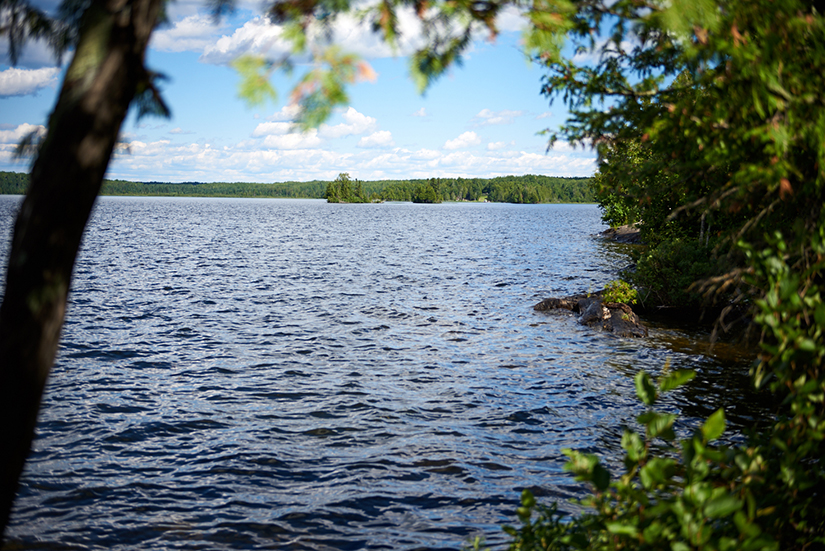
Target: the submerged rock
pixel 615 317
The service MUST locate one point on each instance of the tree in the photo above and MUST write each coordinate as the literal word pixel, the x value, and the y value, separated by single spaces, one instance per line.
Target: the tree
pixel 106 75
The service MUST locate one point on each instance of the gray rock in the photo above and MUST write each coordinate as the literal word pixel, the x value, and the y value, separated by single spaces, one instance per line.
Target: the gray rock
pixel 614 317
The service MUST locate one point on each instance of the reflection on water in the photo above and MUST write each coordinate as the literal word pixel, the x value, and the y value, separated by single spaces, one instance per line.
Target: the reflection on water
pixel 240 374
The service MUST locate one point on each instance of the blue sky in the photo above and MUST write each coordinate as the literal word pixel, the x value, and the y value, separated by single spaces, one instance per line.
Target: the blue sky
pixel 481 120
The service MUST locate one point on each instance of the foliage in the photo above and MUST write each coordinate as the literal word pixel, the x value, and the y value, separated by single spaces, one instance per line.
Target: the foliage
pixel 343 190
pixel 427 193
pixel 668 271
pixel 618 205
pixel 503 189
pixel 13 183
pixel 619 291
pixel 673 494
pixel 255 73
pixel 709 119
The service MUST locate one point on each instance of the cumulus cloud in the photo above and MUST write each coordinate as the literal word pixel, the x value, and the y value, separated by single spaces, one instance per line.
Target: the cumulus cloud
pixel 287 113
pixel 376 140
pixel 467 139
pixel 257 36
pixel 511 19
pixel 23 82
pixel 356 123
pixel 293 140
pixel 420 113
pixel 272 129
pixel 260 37
pixel 193 33
pixel 297 158
pixel 487 117
pixel 14 136
pixel 495 146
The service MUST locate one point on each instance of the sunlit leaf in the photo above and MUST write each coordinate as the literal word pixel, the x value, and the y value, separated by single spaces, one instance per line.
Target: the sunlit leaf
pixel 675 379
pixel 714 426
pixel 645 389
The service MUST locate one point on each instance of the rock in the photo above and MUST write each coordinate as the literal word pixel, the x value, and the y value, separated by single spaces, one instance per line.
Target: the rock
pixel 614 317
pixel 623 234
pixel 569 303
pixel 592 312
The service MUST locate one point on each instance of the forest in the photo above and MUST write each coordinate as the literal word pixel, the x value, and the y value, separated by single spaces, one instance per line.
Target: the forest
pixel 504 189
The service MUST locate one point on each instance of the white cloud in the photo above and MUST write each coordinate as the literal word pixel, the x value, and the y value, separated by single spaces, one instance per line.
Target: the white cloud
pixel 256 36
pixel 567 147
pixel 287 113
pixel 294 140
pixel 356 123
pixel 191 34
pixel 510 19
pixel 380 139
pixel 14 136
pixel 495 146
pixel 467 139
pixel 545 115
pixel 420 113
pixel 23 82
pixel 426 154
pixel 272 128
pixel 487 117
pixel 256 162
pixel 260 37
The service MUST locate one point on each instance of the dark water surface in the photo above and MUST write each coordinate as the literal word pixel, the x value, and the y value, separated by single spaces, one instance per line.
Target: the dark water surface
pixel 288 374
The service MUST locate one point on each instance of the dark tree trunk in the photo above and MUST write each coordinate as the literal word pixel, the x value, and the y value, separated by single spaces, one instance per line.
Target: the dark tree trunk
pixel 102 80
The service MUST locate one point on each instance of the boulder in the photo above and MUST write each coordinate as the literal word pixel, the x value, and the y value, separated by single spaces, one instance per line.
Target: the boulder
pixel 623 234
pixel 614 317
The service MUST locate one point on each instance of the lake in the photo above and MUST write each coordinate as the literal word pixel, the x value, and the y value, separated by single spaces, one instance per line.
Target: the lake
pixel 291 374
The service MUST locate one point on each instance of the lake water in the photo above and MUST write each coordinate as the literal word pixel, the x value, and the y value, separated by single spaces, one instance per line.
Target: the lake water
pixel 291 374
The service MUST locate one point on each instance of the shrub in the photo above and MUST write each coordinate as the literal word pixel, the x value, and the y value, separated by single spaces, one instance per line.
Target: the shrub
pixel 619 291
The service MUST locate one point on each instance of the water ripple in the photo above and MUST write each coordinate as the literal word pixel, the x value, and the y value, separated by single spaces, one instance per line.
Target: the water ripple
pixel 247 374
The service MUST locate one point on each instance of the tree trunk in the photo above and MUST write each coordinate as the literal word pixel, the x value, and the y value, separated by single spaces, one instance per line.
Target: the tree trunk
pixel 101 82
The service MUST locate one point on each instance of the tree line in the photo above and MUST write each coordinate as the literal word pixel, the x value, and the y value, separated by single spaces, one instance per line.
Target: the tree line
pixel 504 189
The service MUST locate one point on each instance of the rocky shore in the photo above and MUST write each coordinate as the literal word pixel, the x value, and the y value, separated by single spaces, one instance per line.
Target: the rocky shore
pixel 614 317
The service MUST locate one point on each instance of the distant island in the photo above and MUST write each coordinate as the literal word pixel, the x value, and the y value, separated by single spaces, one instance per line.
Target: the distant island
pixel 503 189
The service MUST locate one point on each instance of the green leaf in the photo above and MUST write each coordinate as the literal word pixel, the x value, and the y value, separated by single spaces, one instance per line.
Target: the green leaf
pixel 601 477
pixel 675 379
pixel 722 506
pixel 622 529
pixel 645 389
pixel 255 87
pixel 657 471
pixel 714 426
pixel 633 445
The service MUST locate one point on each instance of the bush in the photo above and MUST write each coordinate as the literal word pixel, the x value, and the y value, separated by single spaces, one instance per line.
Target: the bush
pixel 620 291
pixel 693 495
pixel 666 272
